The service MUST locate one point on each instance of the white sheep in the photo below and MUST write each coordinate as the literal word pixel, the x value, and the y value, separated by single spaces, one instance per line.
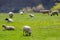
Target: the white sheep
pixel 31 15
pixel 8 27
pixel 11 14
pixel 21 12
pixel 9 20
pixel 27 31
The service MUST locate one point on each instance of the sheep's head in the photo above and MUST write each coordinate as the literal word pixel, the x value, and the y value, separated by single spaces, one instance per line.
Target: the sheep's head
pixel 31 15
pixel 3 25
pixel 6 19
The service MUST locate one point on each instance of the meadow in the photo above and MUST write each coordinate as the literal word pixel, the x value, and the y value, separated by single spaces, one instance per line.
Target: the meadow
pixel 43 26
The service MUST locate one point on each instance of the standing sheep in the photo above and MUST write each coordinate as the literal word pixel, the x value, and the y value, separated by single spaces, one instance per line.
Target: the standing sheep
pixel 54 13
pixel 27 30
pixel 11 14
pixel 9 20
pixel 8 27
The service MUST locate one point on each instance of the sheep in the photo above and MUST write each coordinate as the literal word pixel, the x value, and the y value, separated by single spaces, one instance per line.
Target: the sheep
pixel 54 13
pixel 31 15
pixel 27 31
pixel 9 20
pixel 21 12
pixel 8 27
pixel 11 14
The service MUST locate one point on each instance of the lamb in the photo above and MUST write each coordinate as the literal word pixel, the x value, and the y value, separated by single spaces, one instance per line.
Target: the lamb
pixel 31 15
pixel 8 27
pixel 9 20
pixel 54 13
pixel 27 31
pixel 11 14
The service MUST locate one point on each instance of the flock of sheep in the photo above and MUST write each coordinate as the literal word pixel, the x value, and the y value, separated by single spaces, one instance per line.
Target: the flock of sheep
pixel 26 29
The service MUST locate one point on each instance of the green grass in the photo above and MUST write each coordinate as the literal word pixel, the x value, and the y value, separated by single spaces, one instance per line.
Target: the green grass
pixel 43 26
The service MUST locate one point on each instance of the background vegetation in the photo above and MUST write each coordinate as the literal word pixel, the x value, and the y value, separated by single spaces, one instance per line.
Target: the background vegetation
pixel 56 7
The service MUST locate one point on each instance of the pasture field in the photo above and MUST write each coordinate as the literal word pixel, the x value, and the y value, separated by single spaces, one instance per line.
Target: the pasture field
pixel 43 26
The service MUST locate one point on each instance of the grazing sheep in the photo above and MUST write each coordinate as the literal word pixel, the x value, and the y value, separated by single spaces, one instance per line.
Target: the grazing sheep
pixel 31 15
pixel 21 12
pixel 8 27
pixel 27 31
pixel 54 13
pixel 11 14
pixel 9 20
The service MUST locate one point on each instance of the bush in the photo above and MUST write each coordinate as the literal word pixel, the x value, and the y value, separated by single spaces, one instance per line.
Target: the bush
pixel 56 7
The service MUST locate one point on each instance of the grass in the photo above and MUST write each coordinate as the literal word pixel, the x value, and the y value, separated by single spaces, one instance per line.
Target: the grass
pixel 43 26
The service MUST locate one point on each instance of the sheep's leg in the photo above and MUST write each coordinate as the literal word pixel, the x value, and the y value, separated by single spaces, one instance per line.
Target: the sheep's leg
pixel 57 14
pixel 11 16
pixel 26 33
pixel 30 34
pixel 51 14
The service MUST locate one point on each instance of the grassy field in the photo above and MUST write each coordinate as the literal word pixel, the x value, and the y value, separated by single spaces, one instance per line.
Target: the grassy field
pixel 43 26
